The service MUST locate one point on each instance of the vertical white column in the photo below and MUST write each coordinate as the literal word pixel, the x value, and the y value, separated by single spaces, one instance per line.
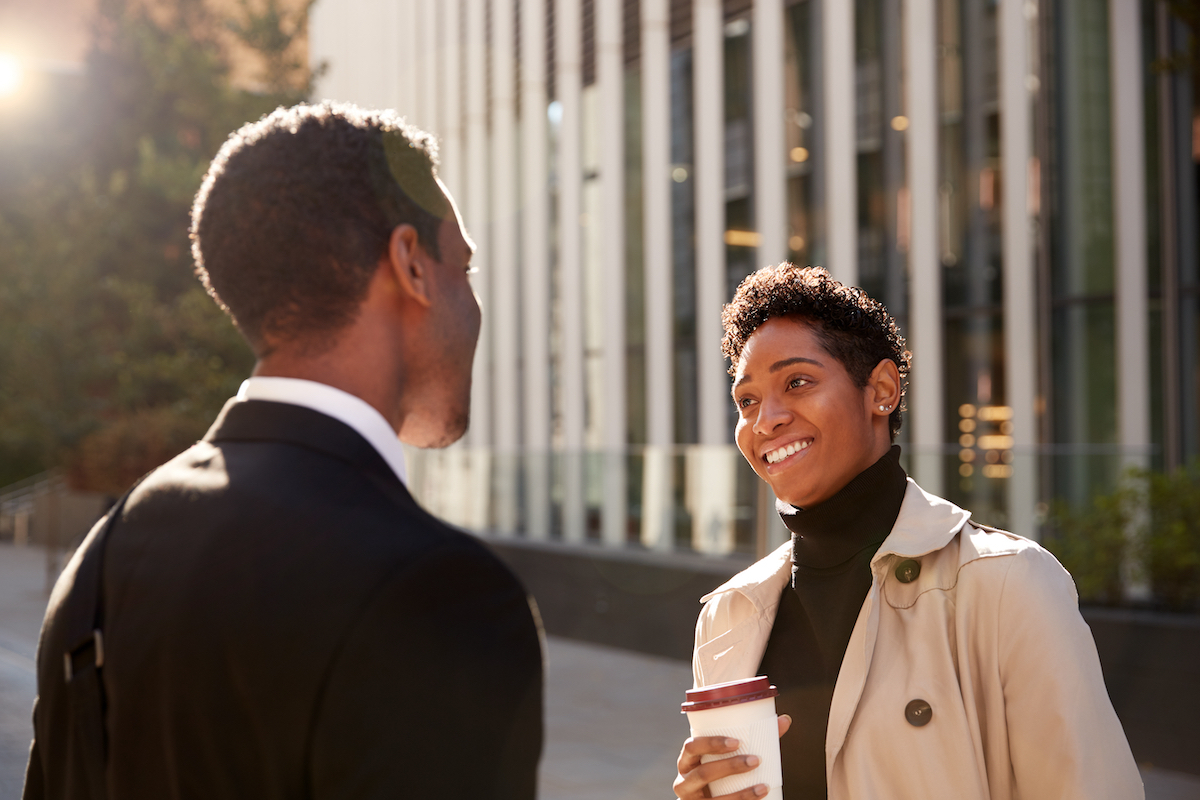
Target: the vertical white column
pixel 709 484
pixel 535 263
pixel 770 134
pixel 657 271
pixel 921 165
pixel 413 59
pixel 341 69
pixel 568 85
pixel 452 132
pixel 610 79
pixel 457 463
pixel 321 19
pixel 331 45
pixel 506 325
pixel 397 27
pixel 841 138
pixel 1129 223
pixel 1020 303
pixel 430 72
pixel 708 73
pixel 475 208
pixel 478 221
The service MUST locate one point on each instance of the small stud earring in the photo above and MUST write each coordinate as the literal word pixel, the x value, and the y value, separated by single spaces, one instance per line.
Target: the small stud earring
pixel 884 408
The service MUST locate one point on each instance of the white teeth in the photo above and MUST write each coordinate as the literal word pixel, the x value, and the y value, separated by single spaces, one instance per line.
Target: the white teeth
pixel 775 456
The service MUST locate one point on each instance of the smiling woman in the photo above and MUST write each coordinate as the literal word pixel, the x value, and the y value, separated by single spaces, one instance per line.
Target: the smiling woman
pixel 917 653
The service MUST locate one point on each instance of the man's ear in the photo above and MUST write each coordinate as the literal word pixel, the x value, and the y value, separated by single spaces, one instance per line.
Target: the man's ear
pixel 409 264
pixel 883 387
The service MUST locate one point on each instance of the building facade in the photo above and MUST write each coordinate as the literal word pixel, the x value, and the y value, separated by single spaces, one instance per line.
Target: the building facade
pixel 1015 179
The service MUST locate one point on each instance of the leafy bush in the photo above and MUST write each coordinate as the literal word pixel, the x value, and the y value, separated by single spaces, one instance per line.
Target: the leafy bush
pixel 1169 549
pixel 1147 529
pixel 1092 545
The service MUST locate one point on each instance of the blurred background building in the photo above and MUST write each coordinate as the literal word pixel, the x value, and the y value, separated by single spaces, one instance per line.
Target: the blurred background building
pixel 1015 179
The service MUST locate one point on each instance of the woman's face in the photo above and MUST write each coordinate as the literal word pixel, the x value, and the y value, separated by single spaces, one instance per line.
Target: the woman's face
pixel 802 423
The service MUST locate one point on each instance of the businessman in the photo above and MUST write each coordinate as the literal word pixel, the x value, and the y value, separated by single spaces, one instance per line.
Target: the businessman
pixel 274 616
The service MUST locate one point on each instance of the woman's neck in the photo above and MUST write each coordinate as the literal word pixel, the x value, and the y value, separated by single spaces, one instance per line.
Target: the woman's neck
pixel 860 514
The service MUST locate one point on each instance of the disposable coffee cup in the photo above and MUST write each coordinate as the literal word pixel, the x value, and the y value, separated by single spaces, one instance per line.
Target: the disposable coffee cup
pixel 742 710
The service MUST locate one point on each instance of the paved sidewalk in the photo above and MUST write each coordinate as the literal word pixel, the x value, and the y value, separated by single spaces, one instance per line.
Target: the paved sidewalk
pixel 613 727
pixel 22 602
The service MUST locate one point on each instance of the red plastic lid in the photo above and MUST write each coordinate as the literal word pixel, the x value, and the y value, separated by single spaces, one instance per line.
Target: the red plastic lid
pixel 747 690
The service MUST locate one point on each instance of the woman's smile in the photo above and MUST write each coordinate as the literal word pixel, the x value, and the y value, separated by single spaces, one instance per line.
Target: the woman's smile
pixel 780 453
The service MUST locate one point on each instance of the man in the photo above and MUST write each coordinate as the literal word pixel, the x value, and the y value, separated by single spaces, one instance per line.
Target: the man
pixel 278 617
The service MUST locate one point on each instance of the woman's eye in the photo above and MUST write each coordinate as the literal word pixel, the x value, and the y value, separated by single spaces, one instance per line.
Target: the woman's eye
pixel 796 383
pixel 743 402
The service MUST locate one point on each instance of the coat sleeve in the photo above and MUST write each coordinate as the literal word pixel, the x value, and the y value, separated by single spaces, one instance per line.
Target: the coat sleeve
pixel 701 638
pixel 35 782
pixel 437 691
pixel 1065 740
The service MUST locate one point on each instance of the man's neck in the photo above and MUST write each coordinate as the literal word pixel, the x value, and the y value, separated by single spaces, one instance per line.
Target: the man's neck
pixel 341 371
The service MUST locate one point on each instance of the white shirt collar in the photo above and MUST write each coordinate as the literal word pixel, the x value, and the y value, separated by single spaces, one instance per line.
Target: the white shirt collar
pixel 342 406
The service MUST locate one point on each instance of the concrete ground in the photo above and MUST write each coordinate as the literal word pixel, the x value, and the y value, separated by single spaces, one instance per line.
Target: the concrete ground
pixel 613 727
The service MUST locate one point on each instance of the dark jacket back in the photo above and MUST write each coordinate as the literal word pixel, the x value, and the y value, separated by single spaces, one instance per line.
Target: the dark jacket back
pixel 282 620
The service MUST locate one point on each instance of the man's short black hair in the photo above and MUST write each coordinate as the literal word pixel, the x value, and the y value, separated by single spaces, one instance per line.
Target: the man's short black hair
pixel 853 328
pixel 296 210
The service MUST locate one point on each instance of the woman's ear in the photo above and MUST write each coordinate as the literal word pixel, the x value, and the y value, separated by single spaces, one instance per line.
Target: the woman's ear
pixel 883 387
pixel 406 260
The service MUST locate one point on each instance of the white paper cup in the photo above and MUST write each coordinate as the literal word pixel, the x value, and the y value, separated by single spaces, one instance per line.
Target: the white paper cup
pixel 743 710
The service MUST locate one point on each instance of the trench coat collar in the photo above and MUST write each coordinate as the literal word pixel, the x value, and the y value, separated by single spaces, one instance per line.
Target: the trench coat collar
pixel 926 523
pixel 762 581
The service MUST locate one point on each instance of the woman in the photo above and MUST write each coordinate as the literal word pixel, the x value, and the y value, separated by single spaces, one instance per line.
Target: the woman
pixel 918 653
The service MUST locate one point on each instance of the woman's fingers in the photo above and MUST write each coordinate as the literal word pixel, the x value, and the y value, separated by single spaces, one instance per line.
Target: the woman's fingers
pixel 785 722
pixel 694 748
pixel 694 777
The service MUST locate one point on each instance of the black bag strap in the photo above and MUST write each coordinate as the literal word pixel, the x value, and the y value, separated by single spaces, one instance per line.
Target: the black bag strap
pixel 83 660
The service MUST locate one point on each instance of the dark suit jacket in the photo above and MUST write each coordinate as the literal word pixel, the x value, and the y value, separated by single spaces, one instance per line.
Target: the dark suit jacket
pixel 282 620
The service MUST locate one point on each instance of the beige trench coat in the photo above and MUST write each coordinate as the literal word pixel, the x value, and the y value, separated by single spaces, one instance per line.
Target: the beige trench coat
pixel 988 634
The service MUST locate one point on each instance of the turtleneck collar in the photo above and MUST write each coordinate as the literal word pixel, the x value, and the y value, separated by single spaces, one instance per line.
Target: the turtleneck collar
pixel 860 515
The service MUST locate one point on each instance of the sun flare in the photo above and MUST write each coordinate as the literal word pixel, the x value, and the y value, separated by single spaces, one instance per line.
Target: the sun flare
pixel 11 74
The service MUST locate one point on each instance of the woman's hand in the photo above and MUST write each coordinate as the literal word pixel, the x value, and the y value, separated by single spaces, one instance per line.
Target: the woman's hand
pixel 694 777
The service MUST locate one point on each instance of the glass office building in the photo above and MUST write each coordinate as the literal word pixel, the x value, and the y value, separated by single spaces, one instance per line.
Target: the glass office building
pixel 1015 179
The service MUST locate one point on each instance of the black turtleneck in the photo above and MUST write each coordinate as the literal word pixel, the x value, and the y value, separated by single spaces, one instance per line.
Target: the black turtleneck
pixel 832 546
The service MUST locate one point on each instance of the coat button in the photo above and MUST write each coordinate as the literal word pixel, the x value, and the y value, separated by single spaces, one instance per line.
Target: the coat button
pixel 918 713
pixel 908 570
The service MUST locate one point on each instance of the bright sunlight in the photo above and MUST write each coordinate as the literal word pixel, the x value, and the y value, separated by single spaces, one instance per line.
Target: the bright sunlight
pixel 11 74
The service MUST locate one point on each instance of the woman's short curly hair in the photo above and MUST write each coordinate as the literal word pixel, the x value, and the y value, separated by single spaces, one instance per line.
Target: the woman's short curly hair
pixel 856 330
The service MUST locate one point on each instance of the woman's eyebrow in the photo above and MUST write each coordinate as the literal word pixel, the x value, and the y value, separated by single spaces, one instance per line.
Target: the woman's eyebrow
pixel 778 365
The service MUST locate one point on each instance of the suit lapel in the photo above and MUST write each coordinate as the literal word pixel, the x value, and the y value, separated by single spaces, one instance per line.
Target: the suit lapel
pixel 266 421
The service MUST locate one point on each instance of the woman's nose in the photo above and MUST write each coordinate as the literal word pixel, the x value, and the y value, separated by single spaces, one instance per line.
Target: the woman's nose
pixel 771 414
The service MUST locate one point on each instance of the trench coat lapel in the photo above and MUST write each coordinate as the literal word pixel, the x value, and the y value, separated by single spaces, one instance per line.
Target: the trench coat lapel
pixel 926 523
pixel 736 653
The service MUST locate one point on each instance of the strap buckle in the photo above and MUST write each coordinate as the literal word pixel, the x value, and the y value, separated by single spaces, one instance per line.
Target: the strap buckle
pixel 95 643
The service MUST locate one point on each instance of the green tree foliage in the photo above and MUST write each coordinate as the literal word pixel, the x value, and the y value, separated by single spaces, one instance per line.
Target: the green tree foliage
pixel 1091 543
pixel 112 358
pixel 1147 529
pixel 1169 548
